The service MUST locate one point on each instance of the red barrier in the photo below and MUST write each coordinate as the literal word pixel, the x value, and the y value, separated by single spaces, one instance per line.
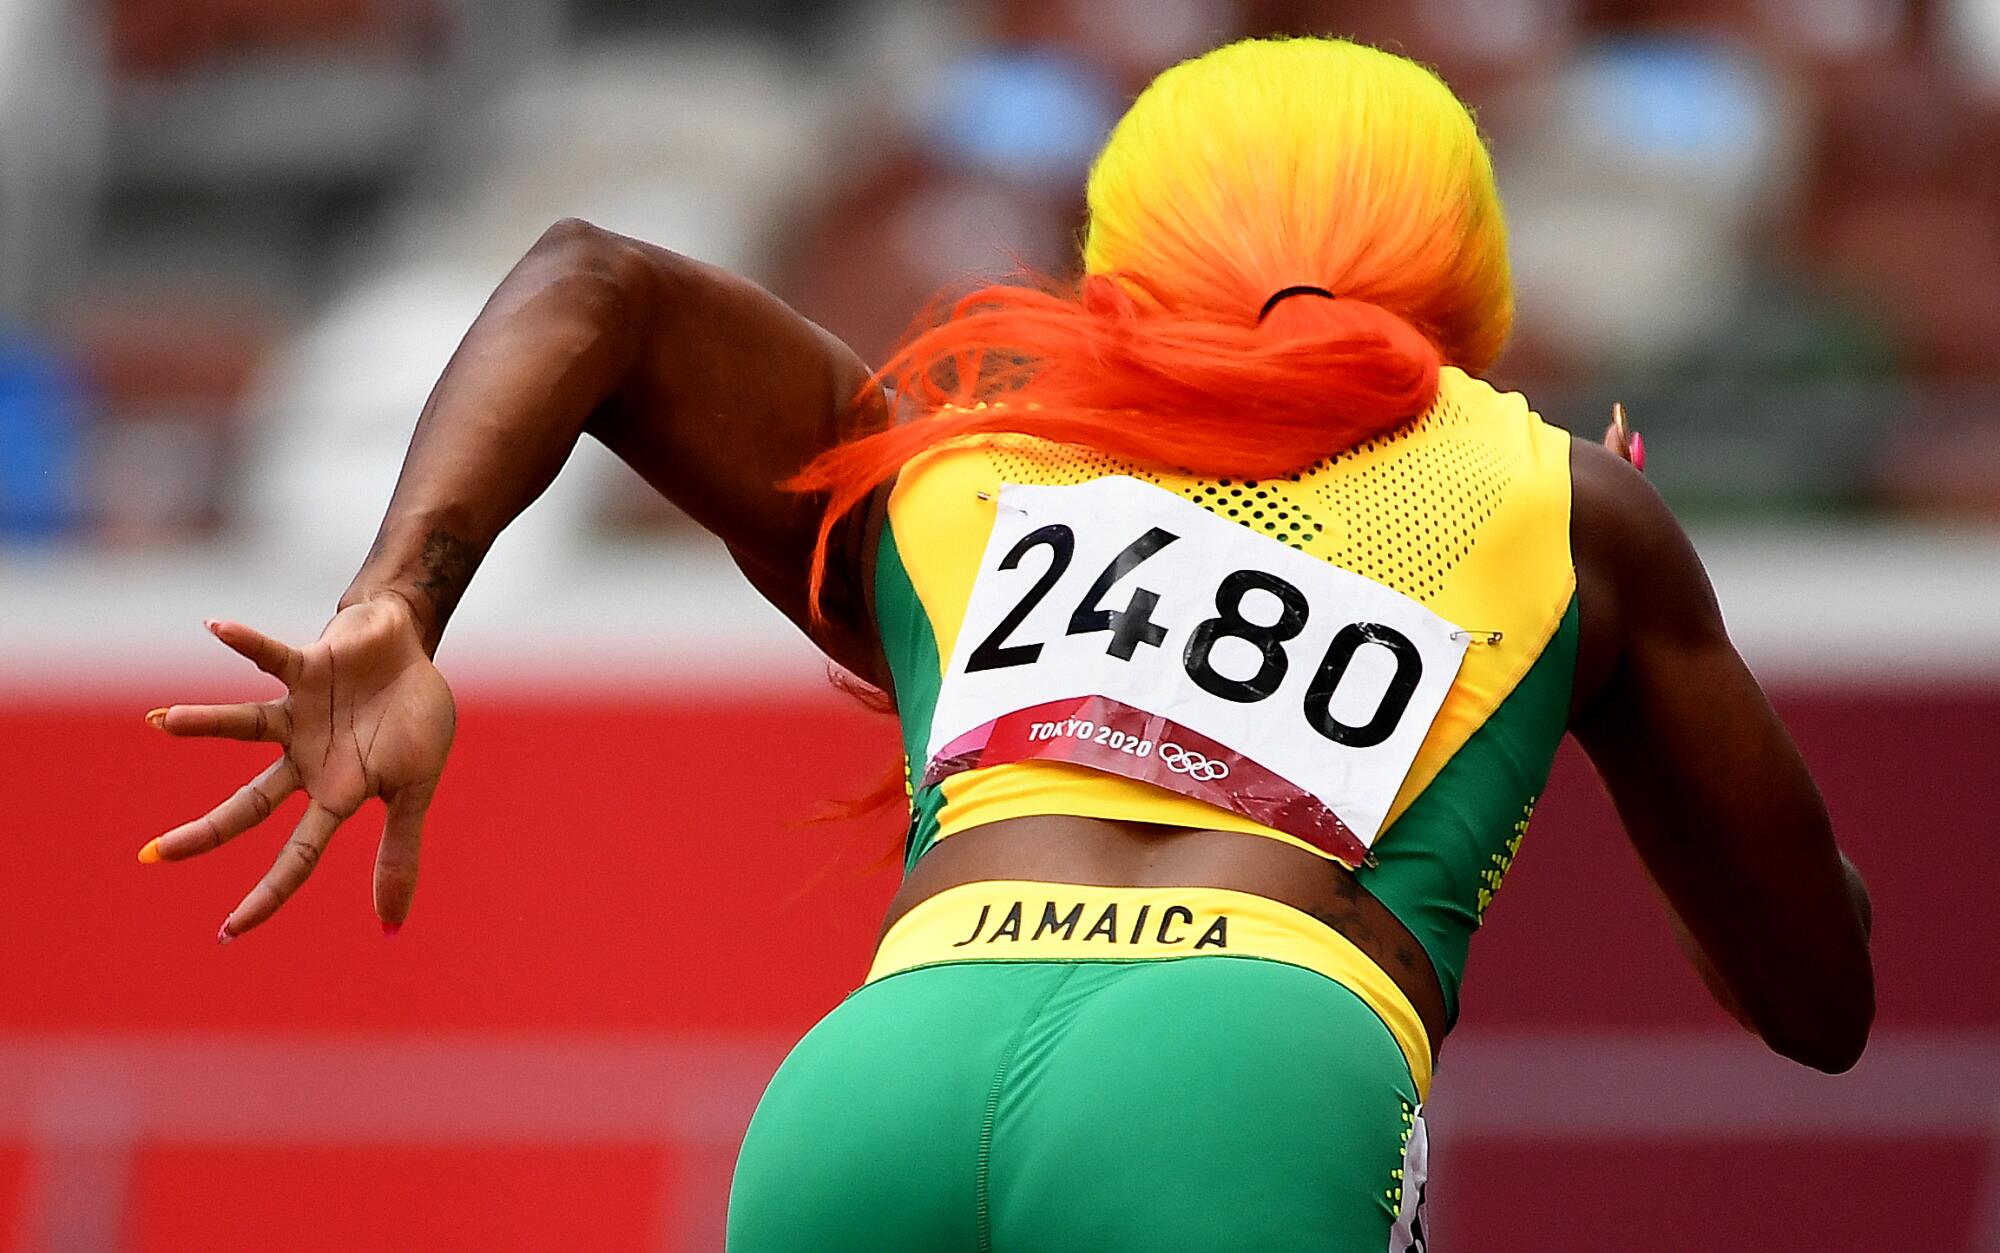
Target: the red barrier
pixel 621 925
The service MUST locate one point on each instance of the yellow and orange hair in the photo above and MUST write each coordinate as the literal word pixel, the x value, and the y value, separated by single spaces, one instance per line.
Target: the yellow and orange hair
pixel 1261 165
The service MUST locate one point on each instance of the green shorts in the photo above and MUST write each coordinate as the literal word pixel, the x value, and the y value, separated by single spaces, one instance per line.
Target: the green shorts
pixel 1204 1103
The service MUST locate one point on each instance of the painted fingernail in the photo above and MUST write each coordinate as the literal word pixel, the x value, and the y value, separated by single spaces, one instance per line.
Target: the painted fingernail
pixel 151 853
pixel 222 935
pixel 390 930
pixel 157 718
pixel 1638 447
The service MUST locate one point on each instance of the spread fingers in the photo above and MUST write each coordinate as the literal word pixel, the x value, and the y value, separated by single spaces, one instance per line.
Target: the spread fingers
pixel 287 874
pixel 269 721
pixel 281 661
pixel 245 808
pixel 396 858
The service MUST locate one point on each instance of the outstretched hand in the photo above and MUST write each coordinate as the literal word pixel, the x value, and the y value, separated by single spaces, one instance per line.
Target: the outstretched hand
pixel 365 713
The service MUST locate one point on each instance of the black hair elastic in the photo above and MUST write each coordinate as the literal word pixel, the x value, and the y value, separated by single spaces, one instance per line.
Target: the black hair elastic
pixel 1303 289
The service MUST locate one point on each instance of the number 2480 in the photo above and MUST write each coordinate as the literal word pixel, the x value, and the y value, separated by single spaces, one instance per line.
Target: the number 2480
pixel 1133 627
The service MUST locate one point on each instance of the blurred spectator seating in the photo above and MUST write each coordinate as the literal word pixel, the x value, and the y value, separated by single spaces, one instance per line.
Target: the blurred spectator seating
pixel 1771 226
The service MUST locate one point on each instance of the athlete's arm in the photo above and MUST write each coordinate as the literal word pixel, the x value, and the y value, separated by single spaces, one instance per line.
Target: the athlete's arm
pixel 1711 789
pixel 707 385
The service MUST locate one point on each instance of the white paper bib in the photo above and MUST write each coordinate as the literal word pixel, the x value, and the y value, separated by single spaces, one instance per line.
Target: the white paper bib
pixel 1116 625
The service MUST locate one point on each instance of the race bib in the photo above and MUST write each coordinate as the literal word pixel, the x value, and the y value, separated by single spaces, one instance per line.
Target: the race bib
pixel 1116 625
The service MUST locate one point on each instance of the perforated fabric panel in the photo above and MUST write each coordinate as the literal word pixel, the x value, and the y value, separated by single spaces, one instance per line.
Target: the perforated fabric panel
pixel 1022 459
pixel 1402 511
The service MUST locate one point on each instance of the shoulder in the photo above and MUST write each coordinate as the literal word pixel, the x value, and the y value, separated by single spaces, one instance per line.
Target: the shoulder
pixel 1623 537
pixel 1621 529
pixel 1640 583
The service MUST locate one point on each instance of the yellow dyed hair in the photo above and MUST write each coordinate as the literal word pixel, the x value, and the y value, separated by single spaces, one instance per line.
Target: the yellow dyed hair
pixel 1261 166
pixel 1269 163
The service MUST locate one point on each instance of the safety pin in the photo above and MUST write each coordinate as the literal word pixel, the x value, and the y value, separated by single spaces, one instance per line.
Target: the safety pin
pixel 1003 504
pixel 1479 637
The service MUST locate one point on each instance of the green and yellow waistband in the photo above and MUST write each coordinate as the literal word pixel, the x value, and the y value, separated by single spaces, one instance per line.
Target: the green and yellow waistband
pixel 1018 920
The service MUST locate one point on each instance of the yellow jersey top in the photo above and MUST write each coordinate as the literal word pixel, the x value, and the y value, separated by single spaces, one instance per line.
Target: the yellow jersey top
pixel 1463 512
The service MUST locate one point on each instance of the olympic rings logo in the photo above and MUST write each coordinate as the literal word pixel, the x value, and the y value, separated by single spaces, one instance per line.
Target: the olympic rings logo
pixel 1197 766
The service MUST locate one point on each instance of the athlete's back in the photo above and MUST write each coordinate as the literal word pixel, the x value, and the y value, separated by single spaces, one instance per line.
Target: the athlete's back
pixel 1054 649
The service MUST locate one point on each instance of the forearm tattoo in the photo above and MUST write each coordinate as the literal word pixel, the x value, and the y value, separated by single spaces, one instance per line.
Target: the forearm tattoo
pixel 448 562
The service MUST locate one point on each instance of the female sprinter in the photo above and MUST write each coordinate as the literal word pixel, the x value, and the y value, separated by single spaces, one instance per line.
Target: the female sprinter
pixel 1232 623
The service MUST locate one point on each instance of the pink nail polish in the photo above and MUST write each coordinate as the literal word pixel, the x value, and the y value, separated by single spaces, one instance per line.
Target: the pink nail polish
pixel 222 935
pixel 1638 447
pixel 390 930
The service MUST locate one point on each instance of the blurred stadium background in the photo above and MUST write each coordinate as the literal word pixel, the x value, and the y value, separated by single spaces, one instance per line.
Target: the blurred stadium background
pixel 239 239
